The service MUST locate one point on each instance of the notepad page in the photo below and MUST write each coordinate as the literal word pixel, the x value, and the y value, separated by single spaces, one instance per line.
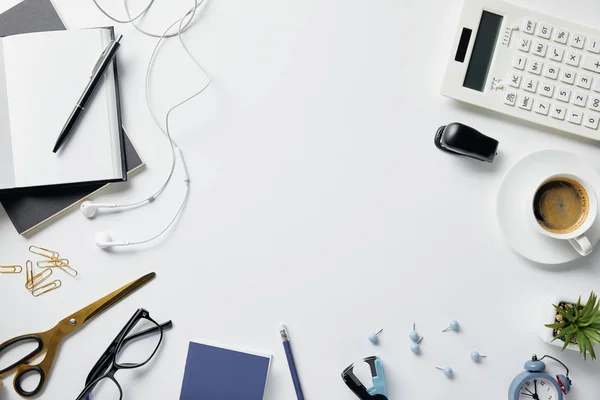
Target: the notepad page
pixel 7 171
pixel 46 73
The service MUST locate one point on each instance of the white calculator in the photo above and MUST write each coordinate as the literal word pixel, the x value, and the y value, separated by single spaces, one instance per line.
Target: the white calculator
pixel 527 65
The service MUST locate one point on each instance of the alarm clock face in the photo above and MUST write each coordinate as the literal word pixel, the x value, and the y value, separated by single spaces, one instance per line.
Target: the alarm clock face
pixel 538 389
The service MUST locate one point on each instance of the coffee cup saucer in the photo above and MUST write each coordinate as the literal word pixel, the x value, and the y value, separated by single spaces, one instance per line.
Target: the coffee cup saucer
pixel 515 192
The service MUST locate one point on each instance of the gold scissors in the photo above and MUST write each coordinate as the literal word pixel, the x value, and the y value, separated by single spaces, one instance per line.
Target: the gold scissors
pixel 49 341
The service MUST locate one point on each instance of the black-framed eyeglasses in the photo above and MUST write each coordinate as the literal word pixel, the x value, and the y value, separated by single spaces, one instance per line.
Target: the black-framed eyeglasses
pixel 133 347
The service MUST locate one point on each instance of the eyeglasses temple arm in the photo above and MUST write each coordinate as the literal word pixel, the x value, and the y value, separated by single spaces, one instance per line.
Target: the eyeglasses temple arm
pixel 167 325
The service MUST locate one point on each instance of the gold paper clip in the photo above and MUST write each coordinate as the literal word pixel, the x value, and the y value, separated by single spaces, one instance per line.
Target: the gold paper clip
pixel 48 287
pixel 52 262
pixel 40 251
pixel 10 269
pixel 61 263
pixel 38 279
pixel 28 273
pixel 67 269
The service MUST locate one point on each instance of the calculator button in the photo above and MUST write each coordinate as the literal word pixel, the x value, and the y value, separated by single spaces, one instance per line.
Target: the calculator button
pixel 547 89
pixel 535 67
pixel 528 25
pixel 590 120
pixel 544 30
pixel 584 81
pixel 594 103
pixel 593 45
pixel 530 84
pixel 541 107
pixel 567 76
pixel 573 58
pixel 514 80
pixel 524 43
pixel 577 40
pixel 579 99
pixel 563 94
pixel 560 36
pixel 591 63
pixel 519 61
pixel 539 49
pixel 575 116
pixel 509 98
pixel 551 71
pixel 556 53
pixel 525 102
pixel 558 112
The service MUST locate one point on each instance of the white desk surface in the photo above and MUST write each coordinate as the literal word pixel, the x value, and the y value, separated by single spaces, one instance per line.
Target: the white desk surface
pixel 318 199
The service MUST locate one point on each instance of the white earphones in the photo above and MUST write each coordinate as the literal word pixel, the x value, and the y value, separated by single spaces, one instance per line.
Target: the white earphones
pixel 104 240
pixel 89 209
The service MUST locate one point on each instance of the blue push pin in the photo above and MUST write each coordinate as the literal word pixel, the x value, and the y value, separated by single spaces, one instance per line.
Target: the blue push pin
pixel 452 326
pixel 447 371
pixel 374 337
pixel 415 348
pixel 414 335
pixel 475 356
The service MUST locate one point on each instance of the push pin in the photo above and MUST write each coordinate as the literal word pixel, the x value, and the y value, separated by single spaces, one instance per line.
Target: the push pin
pixel 415 347
pixel 447 371
pixel 414 335
pixel 374 337
pixel 475 356
pixel 453 326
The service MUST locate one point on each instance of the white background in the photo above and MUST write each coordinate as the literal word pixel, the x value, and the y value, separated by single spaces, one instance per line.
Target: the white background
pixel 318 199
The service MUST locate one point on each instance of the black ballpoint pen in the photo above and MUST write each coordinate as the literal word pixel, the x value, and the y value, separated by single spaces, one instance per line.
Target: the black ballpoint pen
pixel 103 62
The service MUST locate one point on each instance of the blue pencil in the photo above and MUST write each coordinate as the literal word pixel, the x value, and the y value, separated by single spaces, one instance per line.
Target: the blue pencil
pixel 285 338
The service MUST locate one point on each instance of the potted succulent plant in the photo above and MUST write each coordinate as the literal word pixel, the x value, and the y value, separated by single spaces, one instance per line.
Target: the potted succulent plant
pixel 575 326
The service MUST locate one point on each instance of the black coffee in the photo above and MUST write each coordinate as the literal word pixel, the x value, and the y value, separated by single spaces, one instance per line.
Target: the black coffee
pixel 561 205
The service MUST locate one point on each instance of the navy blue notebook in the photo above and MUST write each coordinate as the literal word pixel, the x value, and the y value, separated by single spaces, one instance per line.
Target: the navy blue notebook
pixel 216 373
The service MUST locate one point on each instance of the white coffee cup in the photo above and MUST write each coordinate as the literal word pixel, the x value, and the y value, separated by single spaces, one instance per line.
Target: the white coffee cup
pixel 577 237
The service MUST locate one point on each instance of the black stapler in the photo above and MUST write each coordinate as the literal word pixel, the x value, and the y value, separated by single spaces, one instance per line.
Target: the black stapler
pixel 463 140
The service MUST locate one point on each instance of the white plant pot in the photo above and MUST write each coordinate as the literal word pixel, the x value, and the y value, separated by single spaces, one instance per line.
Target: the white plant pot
pixel 549 317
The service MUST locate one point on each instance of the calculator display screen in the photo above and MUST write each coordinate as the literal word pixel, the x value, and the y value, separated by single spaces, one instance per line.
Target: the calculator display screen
pixel 483 51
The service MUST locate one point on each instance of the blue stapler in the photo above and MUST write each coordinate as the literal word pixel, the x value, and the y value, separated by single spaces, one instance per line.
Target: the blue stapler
pixel 379 389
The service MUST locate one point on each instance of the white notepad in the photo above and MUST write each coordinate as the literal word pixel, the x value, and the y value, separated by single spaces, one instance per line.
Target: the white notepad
pixel 42 75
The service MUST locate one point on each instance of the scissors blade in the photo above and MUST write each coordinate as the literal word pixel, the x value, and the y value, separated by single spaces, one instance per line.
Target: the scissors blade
pixel 90 312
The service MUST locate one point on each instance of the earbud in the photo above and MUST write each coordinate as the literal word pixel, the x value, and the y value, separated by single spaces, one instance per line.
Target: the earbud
pixel 104 241
pixel 89 209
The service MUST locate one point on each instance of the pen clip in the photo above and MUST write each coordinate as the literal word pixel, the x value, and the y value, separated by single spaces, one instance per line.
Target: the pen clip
pixel 101 58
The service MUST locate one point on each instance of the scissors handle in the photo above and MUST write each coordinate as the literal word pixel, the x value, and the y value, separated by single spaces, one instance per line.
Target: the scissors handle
pixel 18 341
pixel 23 371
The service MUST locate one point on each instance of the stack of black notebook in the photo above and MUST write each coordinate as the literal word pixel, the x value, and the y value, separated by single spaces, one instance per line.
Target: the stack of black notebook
pixel 33 194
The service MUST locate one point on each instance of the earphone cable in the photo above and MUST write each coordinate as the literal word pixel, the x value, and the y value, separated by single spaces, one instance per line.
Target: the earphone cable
pixel 184 22
pixel 132 20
